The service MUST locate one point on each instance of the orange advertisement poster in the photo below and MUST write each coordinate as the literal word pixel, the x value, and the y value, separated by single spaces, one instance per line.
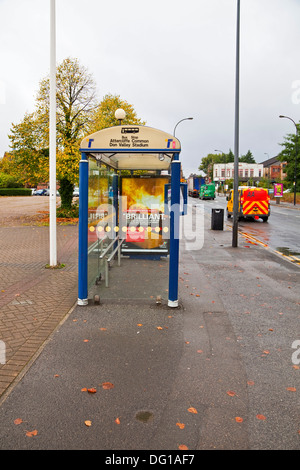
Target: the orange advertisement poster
pixel 142 216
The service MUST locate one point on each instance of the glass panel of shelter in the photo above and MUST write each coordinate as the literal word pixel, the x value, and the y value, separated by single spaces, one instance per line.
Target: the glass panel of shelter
pixel 103 228
pixel 99 207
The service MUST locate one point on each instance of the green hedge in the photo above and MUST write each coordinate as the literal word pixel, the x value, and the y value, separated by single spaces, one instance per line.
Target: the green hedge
pixel 15 192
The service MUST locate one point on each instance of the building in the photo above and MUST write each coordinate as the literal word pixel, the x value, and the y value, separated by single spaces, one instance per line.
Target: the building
pixel 247 171
pixel 274 169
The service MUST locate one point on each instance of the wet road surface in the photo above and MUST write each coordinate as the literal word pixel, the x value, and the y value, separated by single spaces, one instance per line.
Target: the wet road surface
pixel 281 233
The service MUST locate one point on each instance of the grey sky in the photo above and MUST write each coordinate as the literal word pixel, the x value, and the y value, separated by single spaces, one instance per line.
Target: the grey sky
pixel 170 59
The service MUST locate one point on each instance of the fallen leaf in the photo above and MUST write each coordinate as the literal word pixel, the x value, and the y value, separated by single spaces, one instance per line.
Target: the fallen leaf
pixel 84 389
pixel 56 375
pixel 266 352
pixel 88 423
pixel 102 329
pixel 250 382
pixel 231 393
pixel 117 420
pixel 140 324
pixel 262 417
pixel 291 389
pixel 180 425
pixel 107 385
pixel 199 351
pixel 159 328
pixel 86 340
pixel 182 447
pixel 239 419
pixel 18 421
pixel 91 390
pixel 31 433
pixel 192 410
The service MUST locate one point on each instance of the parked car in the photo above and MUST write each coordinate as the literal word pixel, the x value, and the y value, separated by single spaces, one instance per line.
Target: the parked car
pixel 76 192
pixel 40 192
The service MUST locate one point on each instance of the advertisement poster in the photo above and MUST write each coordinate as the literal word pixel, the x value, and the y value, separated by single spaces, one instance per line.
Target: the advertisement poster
pixel 143 221
pixel 278 190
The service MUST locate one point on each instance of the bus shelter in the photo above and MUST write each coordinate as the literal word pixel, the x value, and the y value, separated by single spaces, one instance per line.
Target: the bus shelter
pixel 108 154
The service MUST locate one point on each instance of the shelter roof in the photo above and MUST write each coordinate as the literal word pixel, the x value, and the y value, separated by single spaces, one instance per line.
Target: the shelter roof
pixel 130 147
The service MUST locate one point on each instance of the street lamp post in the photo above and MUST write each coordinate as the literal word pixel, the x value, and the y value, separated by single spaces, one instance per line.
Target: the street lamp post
pixel 236 134
pixel 52 139
pixel 296 151
pixel 185 119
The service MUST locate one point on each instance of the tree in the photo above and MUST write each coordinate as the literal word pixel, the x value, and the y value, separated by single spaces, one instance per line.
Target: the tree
pixel 75 101
pixel 208 162
pixel 248 158
pixel 30 152
pixel 104 115
pixel 288 154
pixel 78 114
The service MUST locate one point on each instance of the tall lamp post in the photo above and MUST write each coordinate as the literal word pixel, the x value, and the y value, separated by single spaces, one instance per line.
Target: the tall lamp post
pixel 185 119
pixel 236 134
pixel 296 151
pixel 52 139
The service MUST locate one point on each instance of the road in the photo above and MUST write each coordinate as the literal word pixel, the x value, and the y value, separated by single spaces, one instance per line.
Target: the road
pixel 280 233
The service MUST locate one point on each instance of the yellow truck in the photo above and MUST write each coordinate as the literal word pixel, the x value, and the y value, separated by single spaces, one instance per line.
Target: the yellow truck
pixel 254 203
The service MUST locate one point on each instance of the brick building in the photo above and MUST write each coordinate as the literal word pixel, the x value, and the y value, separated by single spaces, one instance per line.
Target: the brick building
pixel 274 169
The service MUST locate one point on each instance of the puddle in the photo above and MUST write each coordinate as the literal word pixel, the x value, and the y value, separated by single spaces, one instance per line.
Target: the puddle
pixel 144 416
pixel 287 251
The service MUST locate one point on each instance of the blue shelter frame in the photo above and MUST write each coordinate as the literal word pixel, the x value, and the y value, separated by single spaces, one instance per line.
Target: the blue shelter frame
pixel 132 148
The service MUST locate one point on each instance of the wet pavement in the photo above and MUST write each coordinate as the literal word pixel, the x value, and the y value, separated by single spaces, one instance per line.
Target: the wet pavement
pixel 218 372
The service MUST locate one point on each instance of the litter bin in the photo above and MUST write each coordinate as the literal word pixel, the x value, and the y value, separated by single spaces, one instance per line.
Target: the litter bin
pixel 217 219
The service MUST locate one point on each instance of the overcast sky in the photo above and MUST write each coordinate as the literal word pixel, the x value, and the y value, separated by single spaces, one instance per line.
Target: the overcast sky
pixel 170 59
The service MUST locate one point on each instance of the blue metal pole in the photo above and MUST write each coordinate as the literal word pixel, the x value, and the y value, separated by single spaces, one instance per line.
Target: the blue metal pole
pixel 83 231
pixel 115 185
pixel 174 234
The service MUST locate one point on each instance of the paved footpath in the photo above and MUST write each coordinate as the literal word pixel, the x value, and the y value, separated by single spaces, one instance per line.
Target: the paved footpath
pixel 33 299
pixel 216 373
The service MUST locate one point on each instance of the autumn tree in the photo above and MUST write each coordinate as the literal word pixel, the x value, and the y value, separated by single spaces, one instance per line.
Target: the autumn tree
pixel 30 152
pixel 78 114
pixel 75 102
pixel 104 115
